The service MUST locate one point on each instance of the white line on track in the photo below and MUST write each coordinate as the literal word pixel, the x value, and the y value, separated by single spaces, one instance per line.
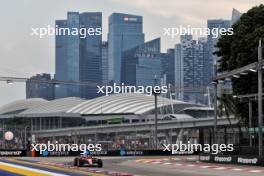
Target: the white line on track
pixel 205 167
pixel 167 163
pixel 255 171
pixel 178 164
pixel 220 168
pixel 236 169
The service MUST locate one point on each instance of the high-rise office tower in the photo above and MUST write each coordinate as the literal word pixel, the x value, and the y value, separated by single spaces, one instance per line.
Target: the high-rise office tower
pixel 105 63
pixel 178 72
pixel 168 66
pixel 212 41
pixel 91 54
pixel 125 32
pixel 218 23
pixel 67 57
pixel 207 73
pixel 189 70
pixel 38 87
pixel 78 57
pixel 141 64
pixel 235 16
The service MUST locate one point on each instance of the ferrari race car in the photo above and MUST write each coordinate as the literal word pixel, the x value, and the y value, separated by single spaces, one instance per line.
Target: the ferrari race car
pixel 87 160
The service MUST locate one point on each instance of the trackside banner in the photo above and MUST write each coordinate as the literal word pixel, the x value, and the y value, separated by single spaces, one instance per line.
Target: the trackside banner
pixel 229 159
pixel 9 153
pixel 120 152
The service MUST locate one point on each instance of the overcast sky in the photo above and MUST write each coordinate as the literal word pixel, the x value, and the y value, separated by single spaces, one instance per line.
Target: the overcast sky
pixel 23 55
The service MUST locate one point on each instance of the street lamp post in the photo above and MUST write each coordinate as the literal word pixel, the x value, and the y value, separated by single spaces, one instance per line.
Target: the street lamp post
pixel 156 115
pixel 250 120
pixel 260 114
pixel 215 107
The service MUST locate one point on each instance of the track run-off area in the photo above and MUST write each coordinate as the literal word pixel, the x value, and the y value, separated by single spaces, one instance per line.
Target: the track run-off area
pixel 123 166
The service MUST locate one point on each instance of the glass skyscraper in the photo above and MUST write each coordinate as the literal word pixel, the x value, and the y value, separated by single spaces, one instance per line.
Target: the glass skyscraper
pixel 235 16
pixel 218 23
pixel 90 55
pixel 207 72
pixel 125 32
pixel 105 63
pixel 37 89
pixel 141 64
pixel 168 66
pixel 78 58
pixel 189 69
pixel 61 61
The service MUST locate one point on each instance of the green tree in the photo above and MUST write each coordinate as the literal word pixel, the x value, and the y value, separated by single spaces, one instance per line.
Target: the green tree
pixel 240 49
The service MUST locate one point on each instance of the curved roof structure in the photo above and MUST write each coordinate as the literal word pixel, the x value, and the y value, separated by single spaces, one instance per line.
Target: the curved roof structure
pixel 125 104
pixel 113 104
pixel 39 106
pixel 21 105
pixel 56 106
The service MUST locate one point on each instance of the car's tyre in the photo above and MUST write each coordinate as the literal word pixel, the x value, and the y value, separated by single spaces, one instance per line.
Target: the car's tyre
pixel 100 163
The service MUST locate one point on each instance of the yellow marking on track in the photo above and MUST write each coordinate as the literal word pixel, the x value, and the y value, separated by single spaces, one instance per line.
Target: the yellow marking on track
pixel 70 170
pixel 17 170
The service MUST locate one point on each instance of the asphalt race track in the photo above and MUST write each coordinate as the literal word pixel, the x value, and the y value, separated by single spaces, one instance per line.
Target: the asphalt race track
pixel 123 166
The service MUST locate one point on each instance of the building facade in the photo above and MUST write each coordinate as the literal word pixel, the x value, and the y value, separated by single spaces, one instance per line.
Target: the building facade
pixel 212 41
pixel 105 63
pixel 38 86
pixel 142 64
pixel 90 55
pixel 190 70
pixel 62 62
pixel 168 66
pixel 125 32
pixel 217 23
pixel 235 16
pixel 78 57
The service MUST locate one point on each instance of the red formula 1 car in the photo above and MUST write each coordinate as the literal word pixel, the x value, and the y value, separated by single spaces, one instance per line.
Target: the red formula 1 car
pixel 87 161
